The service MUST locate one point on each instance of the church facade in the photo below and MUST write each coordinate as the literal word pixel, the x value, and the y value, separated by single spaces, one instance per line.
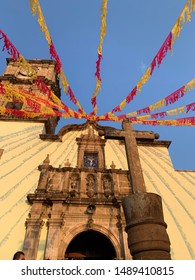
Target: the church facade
pixel 71 194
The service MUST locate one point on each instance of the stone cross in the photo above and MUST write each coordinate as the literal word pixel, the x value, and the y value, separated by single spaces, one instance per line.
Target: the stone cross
pixel 133 160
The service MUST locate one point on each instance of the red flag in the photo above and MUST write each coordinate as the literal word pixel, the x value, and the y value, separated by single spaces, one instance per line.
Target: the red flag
pixel 97 73
pixel 54 55
pixel 173 97
pixel 167 45
pixel 9 46
pixel 131 95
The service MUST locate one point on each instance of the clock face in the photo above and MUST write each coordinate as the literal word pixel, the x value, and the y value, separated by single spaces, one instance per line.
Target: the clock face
pixel 26 72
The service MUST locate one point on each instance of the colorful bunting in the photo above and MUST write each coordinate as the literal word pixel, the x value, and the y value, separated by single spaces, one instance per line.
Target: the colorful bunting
pixel 54 55
pixel 166 46
pixel 11 50
pixel 50 105
pixel 181 110
pixel 190 121
pixel 98 62
pixel 33 76
pixel 170 99
pixel 36 9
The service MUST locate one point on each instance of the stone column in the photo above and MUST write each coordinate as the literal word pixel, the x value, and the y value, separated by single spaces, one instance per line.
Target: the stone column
pixel 120 232
pixel 54 224
pixel 145 226
pixel 32 237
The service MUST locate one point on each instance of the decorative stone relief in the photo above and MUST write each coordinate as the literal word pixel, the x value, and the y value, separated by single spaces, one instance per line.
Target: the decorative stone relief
pixel 91 185
pixel 107 185
pixel 74 185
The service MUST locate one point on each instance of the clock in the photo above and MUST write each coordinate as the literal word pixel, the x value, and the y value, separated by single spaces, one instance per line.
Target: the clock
pixel 27 73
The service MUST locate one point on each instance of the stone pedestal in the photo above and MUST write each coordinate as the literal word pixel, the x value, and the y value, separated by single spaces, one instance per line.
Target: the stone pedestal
pixel 145 226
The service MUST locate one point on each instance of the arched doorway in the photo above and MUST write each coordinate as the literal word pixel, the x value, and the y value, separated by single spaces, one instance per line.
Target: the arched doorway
pixel 90 245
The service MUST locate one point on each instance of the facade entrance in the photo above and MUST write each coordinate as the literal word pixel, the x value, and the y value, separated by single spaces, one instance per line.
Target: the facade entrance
pixel 90 245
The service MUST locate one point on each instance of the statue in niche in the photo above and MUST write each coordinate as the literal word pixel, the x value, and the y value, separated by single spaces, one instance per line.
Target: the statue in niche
pixel 107 186
pixel 91 185
pixel 74 185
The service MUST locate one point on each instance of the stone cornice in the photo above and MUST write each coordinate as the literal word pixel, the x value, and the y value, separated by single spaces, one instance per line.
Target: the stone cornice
pixel 156 143
pixel 50 198
pixel 35 61
pixel 140 135
pixel 50 137
pixel 21 119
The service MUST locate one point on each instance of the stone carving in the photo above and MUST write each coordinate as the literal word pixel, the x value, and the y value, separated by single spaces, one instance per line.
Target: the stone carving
pixel 74 185
pixel 113 166
pixel 90 223
pixel 91 185
pixel 107 185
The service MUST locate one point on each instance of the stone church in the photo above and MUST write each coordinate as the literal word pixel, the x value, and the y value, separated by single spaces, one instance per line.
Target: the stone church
pixel 89 191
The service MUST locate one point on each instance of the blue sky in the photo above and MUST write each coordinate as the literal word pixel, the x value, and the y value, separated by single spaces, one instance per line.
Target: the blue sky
pixel 135 32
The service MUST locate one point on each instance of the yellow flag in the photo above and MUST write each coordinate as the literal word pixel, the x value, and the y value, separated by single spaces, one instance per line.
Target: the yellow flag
pixel 144 79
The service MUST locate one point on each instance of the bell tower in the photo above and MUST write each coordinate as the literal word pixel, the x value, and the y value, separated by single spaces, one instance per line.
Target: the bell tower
pixel 22 79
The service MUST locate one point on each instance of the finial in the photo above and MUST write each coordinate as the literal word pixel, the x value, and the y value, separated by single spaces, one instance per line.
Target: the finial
pixel 112 165
pixel 67 163
pixel 46 161
pixel 90 131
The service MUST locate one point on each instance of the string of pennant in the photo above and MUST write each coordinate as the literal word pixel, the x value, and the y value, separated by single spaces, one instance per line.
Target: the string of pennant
pixel 184 17
pixel 48 104
pixel 24 65
pixel 98 62
pixel 36 9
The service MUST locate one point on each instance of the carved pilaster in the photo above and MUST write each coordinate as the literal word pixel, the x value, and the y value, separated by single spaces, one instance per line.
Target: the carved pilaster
pixel 53 238
pixel 120 230
pixel 54 225
pixel 31 241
